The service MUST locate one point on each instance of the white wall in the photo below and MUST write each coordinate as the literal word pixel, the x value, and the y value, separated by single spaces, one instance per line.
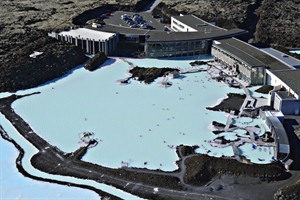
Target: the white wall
pixel 180 27
pixel 275 81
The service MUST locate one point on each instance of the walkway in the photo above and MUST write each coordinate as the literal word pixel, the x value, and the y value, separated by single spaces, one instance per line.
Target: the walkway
pixel 150 7
pixel 128 62
pixel 229 120
pixel 192 70
pixel 249 101
pixel 58 163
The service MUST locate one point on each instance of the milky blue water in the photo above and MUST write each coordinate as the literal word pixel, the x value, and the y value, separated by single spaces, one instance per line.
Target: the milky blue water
pixel 135 123
pixel 14 186
pixel 247 121
pixel 260 155
pixel 241 132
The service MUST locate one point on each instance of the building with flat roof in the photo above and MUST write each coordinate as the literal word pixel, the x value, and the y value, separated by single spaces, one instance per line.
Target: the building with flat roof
pixel 286 97
pixel 252 64
pixel 282 57
pixel 190 36
pixel 91 40
pixel 191 23
pixel 258 67
pixel 148 33
pixel 170 44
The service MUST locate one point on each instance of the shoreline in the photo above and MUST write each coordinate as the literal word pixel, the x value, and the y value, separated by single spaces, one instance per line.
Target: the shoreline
pixel 17 80
pixel 21 169
pixel 126 179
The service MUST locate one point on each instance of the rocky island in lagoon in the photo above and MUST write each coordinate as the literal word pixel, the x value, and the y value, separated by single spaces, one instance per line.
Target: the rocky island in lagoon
pixel 166 116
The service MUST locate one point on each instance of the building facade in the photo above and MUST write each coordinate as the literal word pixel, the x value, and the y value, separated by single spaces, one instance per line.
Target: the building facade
pixel 179 26
pixel 89 40
pixel 177 48
pixel 253 74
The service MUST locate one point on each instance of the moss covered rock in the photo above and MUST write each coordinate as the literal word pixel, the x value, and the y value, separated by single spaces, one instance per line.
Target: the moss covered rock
pixel 96 61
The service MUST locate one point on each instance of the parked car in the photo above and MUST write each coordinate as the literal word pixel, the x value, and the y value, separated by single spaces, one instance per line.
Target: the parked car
pixel 129 20
pixel 144 25
pixel 95 25
pixel 125 17
pixel 156 16
pixel 134 26
pixel 137 18
pixel 132 23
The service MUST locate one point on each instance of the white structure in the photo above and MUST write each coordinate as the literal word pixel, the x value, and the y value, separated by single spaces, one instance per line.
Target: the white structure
pixel 258 68
pixel 35 54
pixel 274 122
pixel 191 23
pixel 286 93
pixel 90 40
pixel 179 26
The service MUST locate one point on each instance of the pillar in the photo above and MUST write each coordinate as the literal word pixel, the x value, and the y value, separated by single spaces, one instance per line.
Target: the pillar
pixel 102 45
pixel 110 42
pixel 76 41
pixel 99 44
pixel 93 46
pixel 106 47
pixel 87 45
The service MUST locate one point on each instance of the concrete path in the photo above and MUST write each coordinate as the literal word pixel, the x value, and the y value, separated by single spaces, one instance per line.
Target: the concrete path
pixel 151 5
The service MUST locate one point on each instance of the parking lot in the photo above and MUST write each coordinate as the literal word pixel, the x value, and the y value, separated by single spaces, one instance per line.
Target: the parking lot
pixel 141 20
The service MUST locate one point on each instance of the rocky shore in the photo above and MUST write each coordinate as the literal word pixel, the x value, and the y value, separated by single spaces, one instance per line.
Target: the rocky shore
pixel 267 21
pixel 20 71
pixel 148 75
pixel 202 168
pixel 21 169
pixel 194 169
pixel 264 89
pixel 232 102
pixel 24 27
pixel 23 30
pixel 95 62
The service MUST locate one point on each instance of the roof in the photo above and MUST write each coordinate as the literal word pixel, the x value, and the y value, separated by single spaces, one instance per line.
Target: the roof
pixel 288 60
pixel 188 36
pixel 291 78
pixel 86 33
pixel 196 23
pixel 121 30
pixel 114 24
pixel 250 54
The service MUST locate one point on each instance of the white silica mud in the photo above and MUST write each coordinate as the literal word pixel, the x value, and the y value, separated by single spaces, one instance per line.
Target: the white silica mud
pixel 134 123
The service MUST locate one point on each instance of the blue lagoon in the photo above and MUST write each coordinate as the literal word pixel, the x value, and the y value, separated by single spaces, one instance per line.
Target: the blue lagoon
pixel 134 124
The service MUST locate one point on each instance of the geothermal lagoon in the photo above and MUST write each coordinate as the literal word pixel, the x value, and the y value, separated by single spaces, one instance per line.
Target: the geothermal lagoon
pixel 137 125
